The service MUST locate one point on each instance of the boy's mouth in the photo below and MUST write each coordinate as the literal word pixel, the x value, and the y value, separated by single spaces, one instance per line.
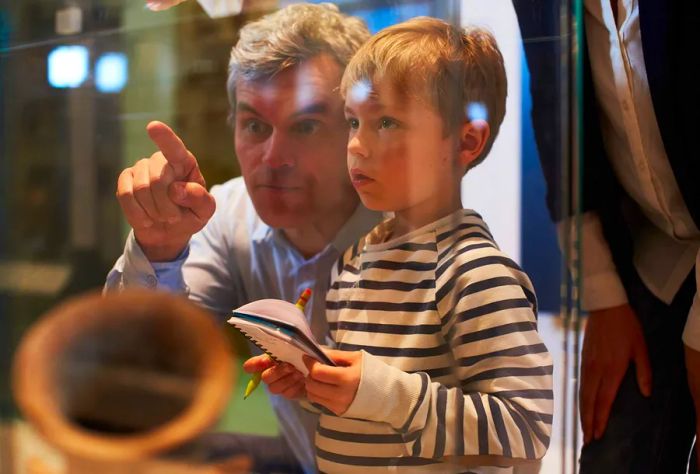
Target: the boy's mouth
pixel 358 178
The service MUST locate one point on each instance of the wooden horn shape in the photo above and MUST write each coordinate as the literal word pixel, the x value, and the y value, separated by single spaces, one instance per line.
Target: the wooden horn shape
pixel 124 376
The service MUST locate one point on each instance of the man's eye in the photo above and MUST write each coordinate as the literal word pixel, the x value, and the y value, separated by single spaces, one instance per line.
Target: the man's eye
pixel 306 127
pixel 255 127
pixel 386 122
pixel 353 123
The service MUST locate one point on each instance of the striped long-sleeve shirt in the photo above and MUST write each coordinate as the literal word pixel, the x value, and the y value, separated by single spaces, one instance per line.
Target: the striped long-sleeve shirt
pixel 452 362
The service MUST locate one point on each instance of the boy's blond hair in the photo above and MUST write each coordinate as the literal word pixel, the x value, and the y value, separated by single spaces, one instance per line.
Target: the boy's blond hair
pixel 460 72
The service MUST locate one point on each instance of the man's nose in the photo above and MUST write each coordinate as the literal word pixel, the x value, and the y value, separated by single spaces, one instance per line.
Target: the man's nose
pixel 278 152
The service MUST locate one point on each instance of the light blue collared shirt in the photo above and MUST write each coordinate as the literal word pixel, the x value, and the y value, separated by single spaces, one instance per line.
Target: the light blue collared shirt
pixel 237 258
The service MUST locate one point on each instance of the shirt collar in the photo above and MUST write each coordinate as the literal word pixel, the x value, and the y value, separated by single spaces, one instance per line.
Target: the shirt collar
pixel 360 222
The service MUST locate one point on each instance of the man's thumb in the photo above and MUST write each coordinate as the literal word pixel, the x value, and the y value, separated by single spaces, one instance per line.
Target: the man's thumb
pixel 178 192
pixel 194 197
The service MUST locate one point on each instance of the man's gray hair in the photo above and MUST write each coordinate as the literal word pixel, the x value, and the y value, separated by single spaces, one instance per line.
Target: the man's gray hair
pixel 289 36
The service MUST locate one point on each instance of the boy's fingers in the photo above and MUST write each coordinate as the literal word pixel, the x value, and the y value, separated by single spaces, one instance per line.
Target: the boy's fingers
pixel 327 373
pixel 294 386
pixel 320 373
pixel 315 398
pixel 341 357
pixel 277 373
pixel 321 389
pixel 309 362
pixel 258 363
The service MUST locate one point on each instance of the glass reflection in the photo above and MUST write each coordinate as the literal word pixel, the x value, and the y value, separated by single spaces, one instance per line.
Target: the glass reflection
pixel 65 147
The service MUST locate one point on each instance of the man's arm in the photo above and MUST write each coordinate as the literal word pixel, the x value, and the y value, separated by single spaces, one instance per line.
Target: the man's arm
pixel 613 336
pixel 175 244
pixel 133 269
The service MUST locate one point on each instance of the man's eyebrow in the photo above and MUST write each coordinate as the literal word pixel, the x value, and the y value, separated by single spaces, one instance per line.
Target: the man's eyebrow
pixel 246 107
pixel 315 108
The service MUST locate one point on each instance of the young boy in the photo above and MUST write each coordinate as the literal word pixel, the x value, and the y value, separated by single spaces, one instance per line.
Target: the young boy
pixel 435 327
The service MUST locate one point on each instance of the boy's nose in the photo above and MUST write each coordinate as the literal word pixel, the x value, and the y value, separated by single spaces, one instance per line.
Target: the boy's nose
pixel 356 147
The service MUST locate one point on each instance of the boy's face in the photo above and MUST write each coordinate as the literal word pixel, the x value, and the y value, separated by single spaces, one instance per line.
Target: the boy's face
pixel 399 157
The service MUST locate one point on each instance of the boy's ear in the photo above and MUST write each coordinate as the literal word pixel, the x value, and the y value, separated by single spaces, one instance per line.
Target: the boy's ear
pixel 472 139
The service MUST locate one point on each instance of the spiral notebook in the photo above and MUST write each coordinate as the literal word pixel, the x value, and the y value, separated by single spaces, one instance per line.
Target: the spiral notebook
pixel 280 329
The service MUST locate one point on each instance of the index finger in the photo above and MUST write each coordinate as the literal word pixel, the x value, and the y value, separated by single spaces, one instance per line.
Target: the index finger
pixel 258 363
pixel 172 147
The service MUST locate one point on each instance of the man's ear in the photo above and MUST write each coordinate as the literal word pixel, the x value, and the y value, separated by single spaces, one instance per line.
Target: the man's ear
pixel 473 136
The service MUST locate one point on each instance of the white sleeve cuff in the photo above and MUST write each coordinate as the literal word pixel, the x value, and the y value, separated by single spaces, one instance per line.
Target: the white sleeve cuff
pixel 601 286
pixel 137 271
pixel 603 290
pixel 385 394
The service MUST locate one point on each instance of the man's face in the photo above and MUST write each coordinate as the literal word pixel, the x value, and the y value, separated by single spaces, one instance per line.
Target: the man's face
pixel 291 138
pixel 398 156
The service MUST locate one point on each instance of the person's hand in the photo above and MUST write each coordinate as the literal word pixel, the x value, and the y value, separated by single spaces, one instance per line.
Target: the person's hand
pixel 334 387
pixel 158 5
pixel 613 338
pixel 692 367
pixel 281 379
pixel 164 198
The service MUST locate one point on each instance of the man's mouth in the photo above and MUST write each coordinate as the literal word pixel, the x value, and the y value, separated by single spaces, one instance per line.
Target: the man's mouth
pixel 278 186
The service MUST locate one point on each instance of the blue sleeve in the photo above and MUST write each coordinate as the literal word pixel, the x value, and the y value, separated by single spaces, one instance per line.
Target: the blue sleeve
pixel 169 274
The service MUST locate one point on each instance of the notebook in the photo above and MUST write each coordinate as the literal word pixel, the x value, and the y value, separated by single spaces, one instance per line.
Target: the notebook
pixel 280 329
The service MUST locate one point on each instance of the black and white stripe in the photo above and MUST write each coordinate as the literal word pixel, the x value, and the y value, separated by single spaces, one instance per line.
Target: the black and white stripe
pixel 442 302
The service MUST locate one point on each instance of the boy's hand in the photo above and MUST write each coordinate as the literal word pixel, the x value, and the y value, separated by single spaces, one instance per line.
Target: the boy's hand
pixel 281 379
pixel 334 387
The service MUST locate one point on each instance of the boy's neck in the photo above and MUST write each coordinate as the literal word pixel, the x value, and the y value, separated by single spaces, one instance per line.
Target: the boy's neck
pixel 408 220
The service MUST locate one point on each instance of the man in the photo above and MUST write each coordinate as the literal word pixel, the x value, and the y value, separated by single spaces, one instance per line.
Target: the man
pixel 279 228
pixel 640 225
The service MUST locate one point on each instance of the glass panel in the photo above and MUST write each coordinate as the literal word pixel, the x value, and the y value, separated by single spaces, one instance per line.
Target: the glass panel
pixel 80 82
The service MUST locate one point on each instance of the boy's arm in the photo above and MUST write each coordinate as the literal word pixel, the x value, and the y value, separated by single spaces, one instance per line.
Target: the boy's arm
pixel 503 409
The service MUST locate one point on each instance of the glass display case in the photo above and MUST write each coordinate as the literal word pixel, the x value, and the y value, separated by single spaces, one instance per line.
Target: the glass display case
pixel 80 80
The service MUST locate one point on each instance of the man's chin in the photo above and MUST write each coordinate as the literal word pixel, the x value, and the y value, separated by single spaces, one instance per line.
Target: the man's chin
pixel 283 216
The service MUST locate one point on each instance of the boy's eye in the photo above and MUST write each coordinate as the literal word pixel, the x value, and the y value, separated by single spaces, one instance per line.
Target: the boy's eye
pixel 256 127
pixel 306 127
pixel 353 123
pixel 386 122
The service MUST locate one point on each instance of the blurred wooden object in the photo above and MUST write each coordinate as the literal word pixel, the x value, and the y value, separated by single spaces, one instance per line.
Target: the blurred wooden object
pixel 125 383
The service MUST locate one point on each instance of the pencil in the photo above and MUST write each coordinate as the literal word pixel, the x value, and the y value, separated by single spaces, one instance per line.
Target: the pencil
pixel 257 376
